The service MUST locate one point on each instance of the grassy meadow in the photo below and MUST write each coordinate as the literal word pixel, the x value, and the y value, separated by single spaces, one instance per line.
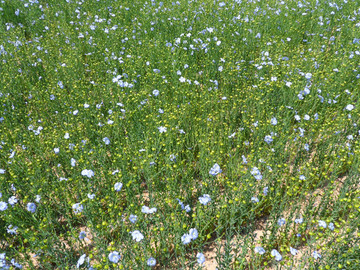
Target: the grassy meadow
pixel 189 134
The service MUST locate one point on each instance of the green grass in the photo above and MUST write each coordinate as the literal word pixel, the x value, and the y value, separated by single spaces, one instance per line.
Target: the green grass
pixel 74 73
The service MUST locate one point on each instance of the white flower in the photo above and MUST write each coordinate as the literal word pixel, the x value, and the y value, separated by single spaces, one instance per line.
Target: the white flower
pixel 12 229
pixel 273 121
pixel 151 262
pixel 146 210
pixel 281 221
pixel 308 76
pixel 2 171
pixel 31 207
pixel 331 226
pixel 316 255
pixel 322 224
pixel 156 92
pixel 81 260
pixel 106 140
pixel 133 218
pixel 162 129
pixel 137 235
pixel 254 199
pixel 186 238
pixel 306 90
pixel 56 150
pixel 12 200
pixel 72 162
pixel 200 258
pixel 293 251
pixel 256 173
pixel 77 207
pixel 299 220
pixel 349 107
pixel 88 173
pixel 306 147
pixel 276 254
pixel 215 170
pixel 205 199
pixel 268 139
pixel 259 250
pixel 118 186
pixel 114 257
pixel 66 136
pixel 193 233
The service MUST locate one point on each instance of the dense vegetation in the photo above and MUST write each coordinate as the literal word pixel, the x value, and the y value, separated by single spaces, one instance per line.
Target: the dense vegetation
pixel 139 134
